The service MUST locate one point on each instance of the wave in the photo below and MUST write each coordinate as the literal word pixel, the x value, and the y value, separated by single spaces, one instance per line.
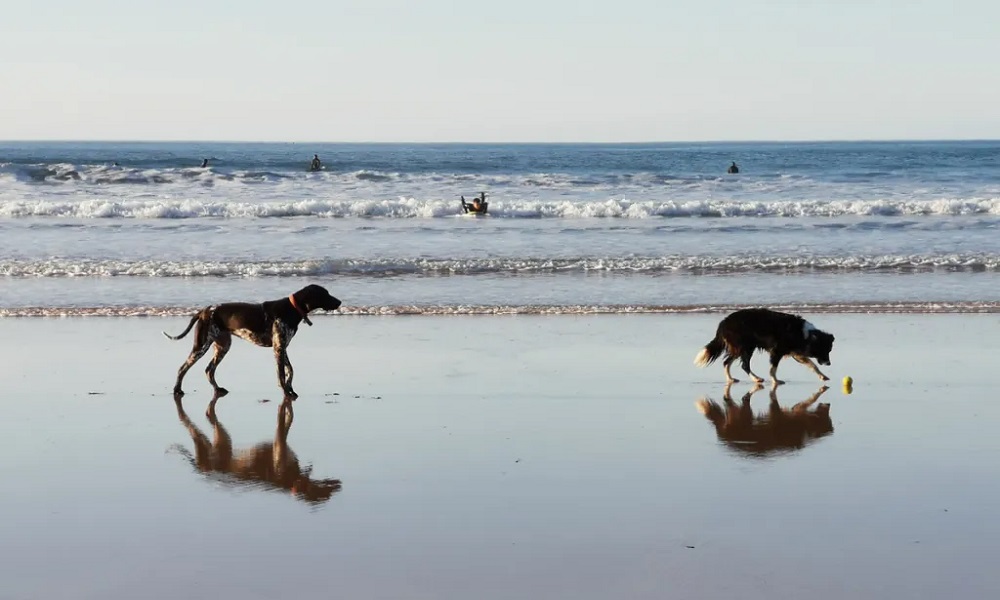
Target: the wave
pixel 532 309
pixel 160 173
pixel 418 267
pixel 412 208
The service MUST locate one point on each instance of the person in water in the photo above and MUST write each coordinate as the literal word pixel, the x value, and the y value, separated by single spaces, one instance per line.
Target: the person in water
pixel 204 163
pixel 478 204
pixel 733 168
pixel 315 165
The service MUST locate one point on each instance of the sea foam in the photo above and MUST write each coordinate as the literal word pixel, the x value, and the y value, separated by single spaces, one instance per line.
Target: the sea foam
pixel 412 208
pixel 396 267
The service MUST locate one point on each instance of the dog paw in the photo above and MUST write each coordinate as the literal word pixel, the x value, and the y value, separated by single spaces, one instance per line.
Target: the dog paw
pixel 290 395
pixel 220 392
pixel 824 378
pixel 178 392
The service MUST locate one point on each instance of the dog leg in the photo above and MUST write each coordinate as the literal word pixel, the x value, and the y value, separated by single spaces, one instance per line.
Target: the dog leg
pixel 281 358
pixel 192 358
pixel 222 345
pixel 812 366
pixel 289 372
pixel 725 367
pixel 745 363
pixel 775 359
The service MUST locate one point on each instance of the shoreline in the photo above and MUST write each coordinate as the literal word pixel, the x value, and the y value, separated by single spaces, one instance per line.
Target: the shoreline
pixel 860 307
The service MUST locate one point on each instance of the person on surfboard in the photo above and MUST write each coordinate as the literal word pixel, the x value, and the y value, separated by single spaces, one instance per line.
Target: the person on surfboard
pixel 477 206
pixel 315 165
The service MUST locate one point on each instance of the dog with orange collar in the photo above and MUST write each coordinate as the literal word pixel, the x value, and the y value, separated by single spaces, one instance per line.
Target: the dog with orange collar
pixel 269 324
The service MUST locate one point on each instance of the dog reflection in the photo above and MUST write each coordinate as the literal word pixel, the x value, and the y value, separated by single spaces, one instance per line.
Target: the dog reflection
pixel 269 464
pixel 777 430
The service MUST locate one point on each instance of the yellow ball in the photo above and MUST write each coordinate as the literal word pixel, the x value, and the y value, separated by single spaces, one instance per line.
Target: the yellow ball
pixel 848 381
pixel 848 385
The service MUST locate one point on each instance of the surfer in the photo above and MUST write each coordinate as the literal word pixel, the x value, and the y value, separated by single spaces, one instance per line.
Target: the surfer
pixel 478 205
pixel 204 163
pixel 315 165
pixel 733 168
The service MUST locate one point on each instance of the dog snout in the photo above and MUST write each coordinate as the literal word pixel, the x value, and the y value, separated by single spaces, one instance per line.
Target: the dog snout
pixel 825 363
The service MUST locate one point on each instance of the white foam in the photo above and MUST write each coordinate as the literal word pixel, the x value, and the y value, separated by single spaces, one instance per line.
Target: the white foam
pixel 412 208
pixel 992 307
pixel 395 267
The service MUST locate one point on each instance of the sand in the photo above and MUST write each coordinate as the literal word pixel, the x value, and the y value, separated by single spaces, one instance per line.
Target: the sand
pixel 497 457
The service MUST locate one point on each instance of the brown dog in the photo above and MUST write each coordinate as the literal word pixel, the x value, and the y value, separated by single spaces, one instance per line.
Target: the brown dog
pixel 272 464
pixel 271 324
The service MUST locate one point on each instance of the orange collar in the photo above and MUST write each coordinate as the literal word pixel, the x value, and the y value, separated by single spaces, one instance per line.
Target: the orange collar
pixel 302 313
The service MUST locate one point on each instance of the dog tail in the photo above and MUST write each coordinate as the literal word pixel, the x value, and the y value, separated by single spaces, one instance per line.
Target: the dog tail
pixel 194 320
pixel 709 353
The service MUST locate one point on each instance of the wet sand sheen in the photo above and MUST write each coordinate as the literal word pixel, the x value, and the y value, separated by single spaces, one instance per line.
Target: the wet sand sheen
pixel 514 456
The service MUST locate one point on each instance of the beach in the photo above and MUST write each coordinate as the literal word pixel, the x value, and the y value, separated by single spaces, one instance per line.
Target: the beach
pixel 496 457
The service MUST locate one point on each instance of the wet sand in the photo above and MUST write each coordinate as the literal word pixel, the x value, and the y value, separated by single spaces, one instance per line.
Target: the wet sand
pixel 498 457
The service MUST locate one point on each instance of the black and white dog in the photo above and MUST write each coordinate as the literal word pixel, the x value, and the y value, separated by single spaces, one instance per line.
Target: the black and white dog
pixel 745 331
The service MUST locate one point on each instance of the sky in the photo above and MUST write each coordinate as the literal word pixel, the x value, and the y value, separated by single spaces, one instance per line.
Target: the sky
pixel 509 71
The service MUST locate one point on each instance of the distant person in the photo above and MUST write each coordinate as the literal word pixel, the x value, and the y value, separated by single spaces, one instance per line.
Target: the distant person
pixel 315 165
pixel 204 163
pixel 733 168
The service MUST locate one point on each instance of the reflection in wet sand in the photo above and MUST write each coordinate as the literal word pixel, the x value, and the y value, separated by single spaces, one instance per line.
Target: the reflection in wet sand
pixel 777 430
pixel 268 465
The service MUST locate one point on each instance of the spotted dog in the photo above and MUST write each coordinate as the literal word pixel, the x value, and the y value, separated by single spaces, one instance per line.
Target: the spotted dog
pixel 272 323
pixel 745 331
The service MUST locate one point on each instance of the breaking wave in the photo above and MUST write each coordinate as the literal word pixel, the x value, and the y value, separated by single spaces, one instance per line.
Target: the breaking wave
pixel 387 267
pixel 412 208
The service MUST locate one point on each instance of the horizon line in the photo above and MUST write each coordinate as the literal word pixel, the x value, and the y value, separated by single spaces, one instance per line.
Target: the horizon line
pixel 493 143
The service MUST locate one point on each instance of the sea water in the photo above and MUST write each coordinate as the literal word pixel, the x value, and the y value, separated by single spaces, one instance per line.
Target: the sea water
pixel 141 228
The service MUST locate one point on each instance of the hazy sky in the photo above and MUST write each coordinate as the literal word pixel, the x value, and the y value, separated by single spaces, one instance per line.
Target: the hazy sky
pixel 509 70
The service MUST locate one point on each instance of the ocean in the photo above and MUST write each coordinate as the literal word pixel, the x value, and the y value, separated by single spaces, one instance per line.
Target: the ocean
pixel 537 456
pixel 123 228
